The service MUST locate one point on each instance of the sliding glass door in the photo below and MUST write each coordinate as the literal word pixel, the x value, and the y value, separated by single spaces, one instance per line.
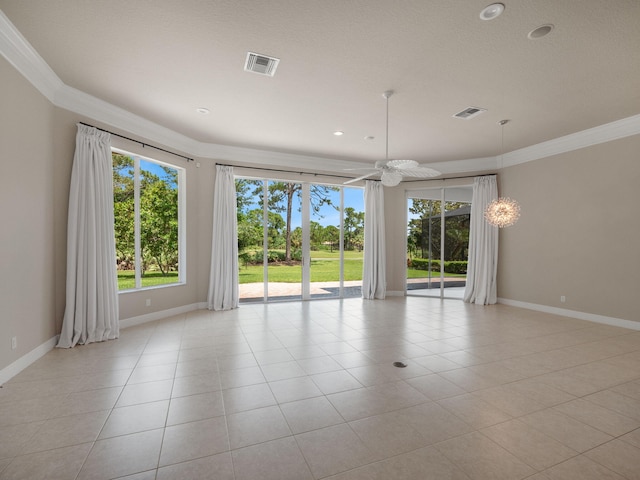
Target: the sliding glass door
pixel 336 241
pixel 295 240
pixel 438 241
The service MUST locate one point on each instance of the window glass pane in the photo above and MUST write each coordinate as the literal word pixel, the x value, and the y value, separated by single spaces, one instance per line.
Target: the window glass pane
pixel 158 223
pixel 324 236
pixel 250 239
pixel 146 221
pixel 123 206
pixel 353 241
pixel 284 241
pixel 423 246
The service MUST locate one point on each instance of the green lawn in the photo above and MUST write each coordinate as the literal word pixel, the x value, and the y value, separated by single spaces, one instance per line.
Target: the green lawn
pixel 324 268
pixel 127 279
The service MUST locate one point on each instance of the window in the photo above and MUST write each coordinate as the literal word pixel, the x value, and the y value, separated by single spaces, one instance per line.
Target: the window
pixel 148 221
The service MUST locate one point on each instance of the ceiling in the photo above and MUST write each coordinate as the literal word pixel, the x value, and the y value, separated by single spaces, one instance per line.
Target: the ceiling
pixel 163 59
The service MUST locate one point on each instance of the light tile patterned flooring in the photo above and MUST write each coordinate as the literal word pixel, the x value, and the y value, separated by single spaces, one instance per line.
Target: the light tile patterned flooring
pixel 307 390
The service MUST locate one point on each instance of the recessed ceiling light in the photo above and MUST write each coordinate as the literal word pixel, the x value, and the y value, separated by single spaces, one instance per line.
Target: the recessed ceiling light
pixel 203 111
pixel 540 32
pixel 491 11
pixel 338 133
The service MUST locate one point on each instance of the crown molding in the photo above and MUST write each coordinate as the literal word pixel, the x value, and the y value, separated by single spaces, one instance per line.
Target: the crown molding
pixel 106 113
pixel 26 60
pixel 465 166
pixel 593 136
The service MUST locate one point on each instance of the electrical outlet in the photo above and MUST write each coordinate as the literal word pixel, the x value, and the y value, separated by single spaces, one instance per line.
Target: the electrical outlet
pixel 148 302
pixel 14 343
pixel 563 299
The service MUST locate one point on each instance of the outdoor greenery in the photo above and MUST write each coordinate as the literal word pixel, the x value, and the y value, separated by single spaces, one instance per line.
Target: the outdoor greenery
pixel 127 279
pixel 158 221
pixel 424 231
pixel 453 266
pixel 322 270
pixel 284 242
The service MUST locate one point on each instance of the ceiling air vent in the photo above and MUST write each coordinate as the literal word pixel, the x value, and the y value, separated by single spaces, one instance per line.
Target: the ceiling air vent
pixel 470 112
pixel 261 64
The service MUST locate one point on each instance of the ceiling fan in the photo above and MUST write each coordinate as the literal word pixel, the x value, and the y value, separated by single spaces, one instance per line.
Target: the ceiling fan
pixel 393 171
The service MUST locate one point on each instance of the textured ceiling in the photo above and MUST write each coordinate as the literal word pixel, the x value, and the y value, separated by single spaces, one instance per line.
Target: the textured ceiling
pixel 162 59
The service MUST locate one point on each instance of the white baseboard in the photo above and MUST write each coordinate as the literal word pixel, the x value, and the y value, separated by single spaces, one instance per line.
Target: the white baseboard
pixel 24 361
pixel 150 317
pixel 616 322
pixel 395 293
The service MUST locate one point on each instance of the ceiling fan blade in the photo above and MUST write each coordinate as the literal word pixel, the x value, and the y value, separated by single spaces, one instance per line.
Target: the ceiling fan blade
pixel 402 164
pixel 358 169
pixel 360 178
pixel 420 172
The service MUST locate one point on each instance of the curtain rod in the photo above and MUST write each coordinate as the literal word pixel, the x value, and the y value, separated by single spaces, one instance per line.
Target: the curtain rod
pixel 286 171
pixel 453 178
pixel 188 159
pixel 343 176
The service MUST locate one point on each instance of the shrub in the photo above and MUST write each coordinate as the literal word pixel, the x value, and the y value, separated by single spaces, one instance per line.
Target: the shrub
pixel 423 264
pixel 456 267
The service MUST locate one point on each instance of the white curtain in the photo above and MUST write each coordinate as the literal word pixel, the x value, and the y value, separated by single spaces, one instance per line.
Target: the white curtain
pixel 374 270
pixel 91 312
pixel 483 246
pixel 223 280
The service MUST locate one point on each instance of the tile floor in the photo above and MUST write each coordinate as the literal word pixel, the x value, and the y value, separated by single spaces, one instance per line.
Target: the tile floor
pixel 308 391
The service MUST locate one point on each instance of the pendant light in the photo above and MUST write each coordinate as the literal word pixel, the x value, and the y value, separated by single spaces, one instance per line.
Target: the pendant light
pixel 504 211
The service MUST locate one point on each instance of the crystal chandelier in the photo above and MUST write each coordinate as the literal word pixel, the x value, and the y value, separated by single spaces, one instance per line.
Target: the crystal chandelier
pixel 502 212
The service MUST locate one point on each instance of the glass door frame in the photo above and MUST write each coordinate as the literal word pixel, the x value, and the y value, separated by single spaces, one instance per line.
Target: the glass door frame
pixel 411 194
pixel 306 236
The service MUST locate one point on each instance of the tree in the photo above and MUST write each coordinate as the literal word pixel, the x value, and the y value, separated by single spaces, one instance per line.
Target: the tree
pixel 123 206
pixel 424 232
pixel 159 219
pixel 316 235
pixel 246 192
pixel 353 228
pixel 275 224
pixel 332 234
pixel 281 200
pixel 158 214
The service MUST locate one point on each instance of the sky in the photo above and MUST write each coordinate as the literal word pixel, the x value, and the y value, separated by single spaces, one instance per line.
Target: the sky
pixel 328 215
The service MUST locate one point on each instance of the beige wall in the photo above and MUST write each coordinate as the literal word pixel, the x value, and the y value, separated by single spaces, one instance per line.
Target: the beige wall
pixel 27 308
pixel 579 231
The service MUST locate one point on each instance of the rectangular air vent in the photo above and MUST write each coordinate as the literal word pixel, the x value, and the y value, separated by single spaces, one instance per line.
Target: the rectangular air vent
pixel 261 64
pixel 470 112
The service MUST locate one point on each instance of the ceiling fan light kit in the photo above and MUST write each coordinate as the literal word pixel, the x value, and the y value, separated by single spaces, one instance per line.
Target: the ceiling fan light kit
pixel 392 171
pixel 402 164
